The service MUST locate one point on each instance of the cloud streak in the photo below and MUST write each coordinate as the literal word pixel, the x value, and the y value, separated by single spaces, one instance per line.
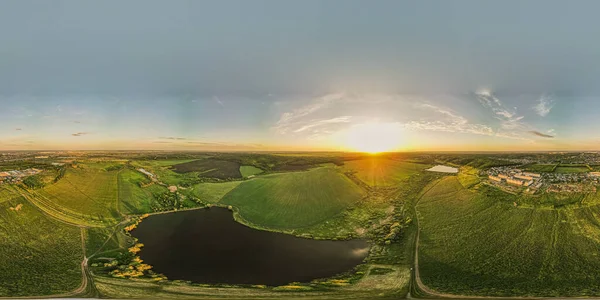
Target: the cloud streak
pixel 79 133
pixel 537 133
pixel 451 122
pixel 544 106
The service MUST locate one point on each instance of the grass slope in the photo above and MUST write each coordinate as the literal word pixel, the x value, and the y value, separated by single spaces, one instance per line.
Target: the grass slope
pixel 85 190
pixel 292 200
pixel 212 192
pixel 478 243
pixel 379 171
pixel 133 198
pixel 249 171
pixel 37 256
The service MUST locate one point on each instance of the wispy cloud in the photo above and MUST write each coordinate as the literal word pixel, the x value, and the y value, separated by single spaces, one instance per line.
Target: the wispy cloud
pixel 318 123
pixel 449 121
pixel 172 138
pixel 291 121
pixel 544 106
pixel 18 129
pixel 537 133
pixel 219 101
pixel 79 133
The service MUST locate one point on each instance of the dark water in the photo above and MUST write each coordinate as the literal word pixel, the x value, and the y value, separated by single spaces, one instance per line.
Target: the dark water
pixel 208 246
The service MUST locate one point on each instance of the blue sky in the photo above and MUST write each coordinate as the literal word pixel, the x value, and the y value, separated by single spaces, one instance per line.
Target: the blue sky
pixel 275 75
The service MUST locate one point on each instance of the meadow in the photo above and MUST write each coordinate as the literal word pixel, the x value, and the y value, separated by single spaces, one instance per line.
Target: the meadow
pixel 382 171
pixel 480 243
pixel 38 256
pixel 211 192
pixel 571 169
pixel 540 168
pixel 89 190
pixel 137 192
pixel 247 171
pixel 292 200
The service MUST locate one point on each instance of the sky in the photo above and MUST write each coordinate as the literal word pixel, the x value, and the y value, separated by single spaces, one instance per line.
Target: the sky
pixel 299 75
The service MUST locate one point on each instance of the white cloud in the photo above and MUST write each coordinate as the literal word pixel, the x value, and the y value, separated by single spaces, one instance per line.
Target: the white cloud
pixel 291 121
pixel 318 123
pixel 449 122
pixel 544 106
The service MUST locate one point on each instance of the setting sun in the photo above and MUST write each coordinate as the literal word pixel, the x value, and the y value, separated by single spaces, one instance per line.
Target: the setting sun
pixel 374 137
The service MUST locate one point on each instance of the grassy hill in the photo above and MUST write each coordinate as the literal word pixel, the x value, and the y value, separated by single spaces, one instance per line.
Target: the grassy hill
pixel 38 256
pixel 212 192
pixel 133 198
pixel 88 190
pixel 479 243
pixel 380 171
pixel 291 200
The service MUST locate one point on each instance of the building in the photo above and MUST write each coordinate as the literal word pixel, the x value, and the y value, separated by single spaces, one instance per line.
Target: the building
pixel 503 176
pixel 535 175
pixel 524 177
pixel 515 181
pixel 495 178
pixel 528 183
pixel 594 174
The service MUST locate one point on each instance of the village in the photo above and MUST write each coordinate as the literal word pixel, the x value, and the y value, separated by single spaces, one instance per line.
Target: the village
pixel 16 176
pixel 514 179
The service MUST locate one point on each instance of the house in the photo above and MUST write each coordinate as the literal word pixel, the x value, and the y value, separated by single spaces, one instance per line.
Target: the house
pixel 535 175
pixel 524 177
pixel 515 181
pixel 495 178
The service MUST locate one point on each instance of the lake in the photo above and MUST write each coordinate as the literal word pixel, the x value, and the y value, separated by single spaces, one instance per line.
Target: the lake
pixel 208 246
pixel 443 169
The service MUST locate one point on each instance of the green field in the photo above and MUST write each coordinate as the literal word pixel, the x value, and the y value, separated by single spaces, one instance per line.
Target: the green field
pixel 249 171
pixel 212 192
pixel 540 168
pixel 133 198
pixel 380 171
pixel 37 256
pixel 292 200
pixel 571 169
pixel 87 190
pixel 479 243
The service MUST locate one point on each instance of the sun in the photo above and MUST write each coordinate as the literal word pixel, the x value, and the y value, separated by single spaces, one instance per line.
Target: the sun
pixel 373 137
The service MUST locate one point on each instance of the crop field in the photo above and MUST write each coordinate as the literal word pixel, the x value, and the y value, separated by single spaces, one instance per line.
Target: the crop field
pixel 540 168
pixel 37 256
pixel 468 176
pixel 212 192
pixel 377 171
pixel 571 169
pixel 7 194
pixel 292 200
pixel 210 168
pixel 249 171
pixel 133 198
pixel 85 190
pixel 477 243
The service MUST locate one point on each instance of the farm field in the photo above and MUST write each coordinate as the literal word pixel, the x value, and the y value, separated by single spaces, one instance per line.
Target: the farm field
pixel 87 190
pixel 540 168
pixel 571 169
pixel 212 192
pixel 210 168
pixel 38 256
pixel 249 171
pixel 292 200
pixel 476 243
pixel 380 171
